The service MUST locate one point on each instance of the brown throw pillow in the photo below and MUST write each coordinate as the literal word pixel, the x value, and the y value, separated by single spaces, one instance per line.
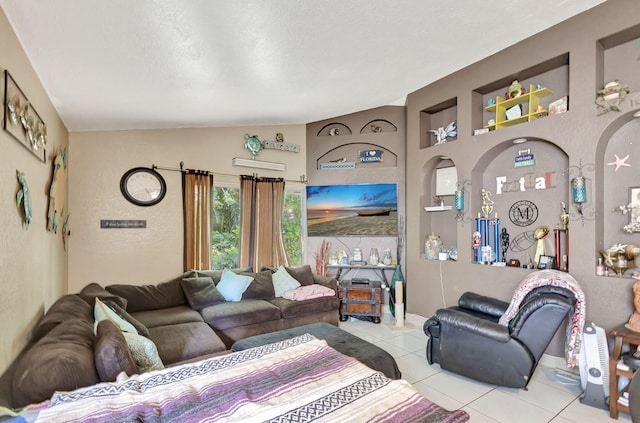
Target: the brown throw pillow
pixel 112 354
pixel 63 360
pixel 92 291
pixel 66 307
pixel 138 325
pixel 302 274
pixel 201 292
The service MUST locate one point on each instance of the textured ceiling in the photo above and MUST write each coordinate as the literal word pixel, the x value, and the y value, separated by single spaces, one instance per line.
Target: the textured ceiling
pixel 123 64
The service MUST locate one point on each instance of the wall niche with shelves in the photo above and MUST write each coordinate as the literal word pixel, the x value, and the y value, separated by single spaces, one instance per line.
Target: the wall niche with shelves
pixel 438 211
pixel 435 117
pixel 543 84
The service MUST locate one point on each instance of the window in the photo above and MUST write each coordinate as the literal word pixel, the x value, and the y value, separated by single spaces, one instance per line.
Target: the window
pixel 225 237
pixel 226 227
pixel 292 227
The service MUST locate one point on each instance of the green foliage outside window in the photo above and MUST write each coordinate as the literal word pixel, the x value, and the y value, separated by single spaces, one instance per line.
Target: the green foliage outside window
pixel 225 236
pixel 292 227
pixel 226 228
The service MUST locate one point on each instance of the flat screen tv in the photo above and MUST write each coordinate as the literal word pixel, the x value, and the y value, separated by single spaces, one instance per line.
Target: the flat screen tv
pixel 352 210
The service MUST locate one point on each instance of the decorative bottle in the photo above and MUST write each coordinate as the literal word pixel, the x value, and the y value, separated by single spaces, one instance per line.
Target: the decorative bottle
pixel 397 277
pixel 600 267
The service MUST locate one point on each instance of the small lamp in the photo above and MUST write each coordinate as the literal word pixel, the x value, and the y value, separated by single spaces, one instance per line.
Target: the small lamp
pixel 579 191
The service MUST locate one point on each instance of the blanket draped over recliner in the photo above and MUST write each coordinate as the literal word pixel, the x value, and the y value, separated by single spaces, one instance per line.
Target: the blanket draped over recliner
pixel 563 280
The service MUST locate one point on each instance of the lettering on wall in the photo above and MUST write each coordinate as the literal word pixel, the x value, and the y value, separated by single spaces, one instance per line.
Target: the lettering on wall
pixel 528 181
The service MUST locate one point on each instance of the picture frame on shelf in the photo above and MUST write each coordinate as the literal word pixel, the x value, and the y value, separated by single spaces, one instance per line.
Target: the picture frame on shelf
pixel 634 205
pixel 546 262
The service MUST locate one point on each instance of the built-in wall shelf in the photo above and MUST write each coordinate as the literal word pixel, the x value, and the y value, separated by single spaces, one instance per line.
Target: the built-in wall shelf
pixel 528 103
pixel 437 208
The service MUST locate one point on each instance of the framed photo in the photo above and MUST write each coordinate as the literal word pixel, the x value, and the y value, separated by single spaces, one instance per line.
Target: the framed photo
pixel 634 213
pixel 546 262
pixel 352 210
pixel 22 121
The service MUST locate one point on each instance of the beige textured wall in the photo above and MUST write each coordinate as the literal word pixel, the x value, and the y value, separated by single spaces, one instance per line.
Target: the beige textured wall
pixel 33 263
pixel 154 254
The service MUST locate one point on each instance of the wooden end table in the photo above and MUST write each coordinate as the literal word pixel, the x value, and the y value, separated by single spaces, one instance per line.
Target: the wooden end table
pixel 621 336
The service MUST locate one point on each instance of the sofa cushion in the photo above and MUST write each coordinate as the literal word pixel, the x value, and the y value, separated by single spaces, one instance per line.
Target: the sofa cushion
pixel 152 297
pixel 261 288
pixel 302 274
pixel 112 354
pixel 93 290
pixel 65 308
pixel 234 314
pixel 232 285
pixel 144 352
pixel 201 292
pixel 185 341
pixel 216 274
pixel 291 309
pixel 62 360
pixel 308 292
pixel 140 328
pixel 167 316
pixel 102 312
pixel 283 282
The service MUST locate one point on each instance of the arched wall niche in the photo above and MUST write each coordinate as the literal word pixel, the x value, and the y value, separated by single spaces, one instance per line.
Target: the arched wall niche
pixel 620 138
pixel 524 197
pixel 442 223
pixel 350 153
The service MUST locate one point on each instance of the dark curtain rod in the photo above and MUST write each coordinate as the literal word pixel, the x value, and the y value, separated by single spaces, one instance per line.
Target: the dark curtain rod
pixel 302 180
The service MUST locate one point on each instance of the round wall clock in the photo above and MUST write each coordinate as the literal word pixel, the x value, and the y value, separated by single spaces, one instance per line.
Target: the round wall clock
pixel 143 186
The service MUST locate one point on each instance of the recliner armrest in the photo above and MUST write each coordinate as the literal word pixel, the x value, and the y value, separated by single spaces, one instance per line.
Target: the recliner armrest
pixel 473 324
pixel 482 304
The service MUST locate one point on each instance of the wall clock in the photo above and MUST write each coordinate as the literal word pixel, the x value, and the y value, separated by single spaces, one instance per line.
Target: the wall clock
pixel 143 186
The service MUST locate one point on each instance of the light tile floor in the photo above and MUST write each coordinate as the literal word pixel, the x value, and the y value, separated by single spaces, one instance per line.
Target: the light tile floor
pixel 547 399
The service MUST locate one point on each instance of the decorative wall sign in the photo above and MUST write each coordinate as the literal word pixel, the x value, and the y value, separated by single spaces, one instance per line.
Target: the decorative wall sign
pixel 22 121
pixel 528 181
pixel 523 213
pixel 370 156
pixel 524 158
pixel 337 165
pixel 123 224
pixel 277 145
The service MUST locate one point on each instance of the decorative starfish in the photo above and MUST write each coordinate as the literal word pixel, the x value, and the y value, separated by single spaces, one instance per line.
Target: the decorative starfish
pixel 619 162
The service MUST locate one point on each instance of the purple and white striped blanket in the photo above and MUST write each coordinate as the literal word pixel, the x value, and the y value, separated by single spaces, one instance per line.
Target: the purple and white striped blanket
pixel 297 380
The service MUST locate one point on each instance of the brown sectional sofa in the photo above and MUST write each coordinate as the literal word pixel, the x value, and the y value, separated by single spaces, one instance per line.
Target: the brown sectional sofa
pixel 184 317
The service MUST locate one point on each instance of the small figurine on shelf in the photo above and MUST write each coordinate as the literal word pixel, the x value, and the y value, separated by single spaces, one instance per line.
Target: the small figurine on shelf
pixel 443 132
pixel 487 204
pixel 515 90
pixel 610 97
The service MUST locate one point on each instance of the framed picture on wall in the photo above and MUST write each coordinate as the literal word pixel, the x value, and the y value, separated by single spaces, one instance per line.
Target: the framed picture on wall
pixel 634 204
pixel 546 262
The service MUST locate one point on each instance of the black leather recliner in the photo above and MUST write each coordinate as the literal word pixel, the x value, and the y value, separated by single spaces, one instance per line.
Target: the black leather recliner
pixel 468 340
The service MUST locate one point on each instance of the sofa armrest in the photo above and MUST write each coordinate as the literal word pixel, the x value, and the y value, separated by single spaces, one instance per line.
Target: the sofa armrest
pixel 482 304
pixel 473 324
pixel 326 281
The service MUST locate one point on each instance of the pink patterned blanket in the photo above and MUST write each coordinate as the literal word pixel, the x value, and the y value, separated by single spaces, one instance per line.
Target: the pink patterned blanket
pixel 554 278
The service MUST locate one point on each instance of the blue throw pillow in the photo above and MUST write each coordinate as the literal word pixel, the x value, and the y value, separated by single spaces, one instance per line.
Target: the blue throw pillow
pixel 232 286
pixel 283 281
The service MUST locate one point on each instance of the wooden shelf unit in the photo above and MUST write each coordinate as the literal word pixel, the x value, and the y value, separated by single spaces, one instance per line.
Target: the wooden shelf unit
pixel 621 335
pixel 531 99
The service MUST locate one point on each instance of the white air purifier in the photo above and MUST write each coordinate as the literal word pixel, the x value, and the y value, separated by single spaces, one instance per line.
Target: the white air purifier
pixel 594 366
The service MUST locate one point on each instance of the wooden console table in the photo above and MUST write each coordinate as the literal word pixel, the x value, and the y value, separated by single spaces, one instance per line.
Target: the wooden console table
pixel 343 269
pixel 621 335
